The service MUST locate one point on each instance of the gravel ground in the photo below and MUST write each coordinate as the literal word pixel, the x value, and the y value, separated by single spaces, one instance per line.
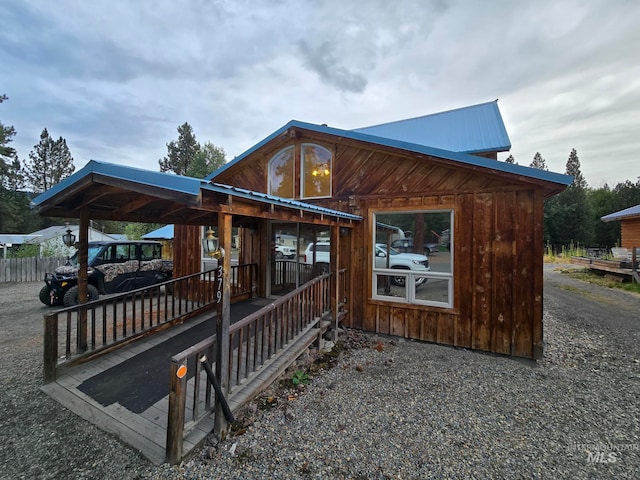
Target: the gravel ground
pixel 388 409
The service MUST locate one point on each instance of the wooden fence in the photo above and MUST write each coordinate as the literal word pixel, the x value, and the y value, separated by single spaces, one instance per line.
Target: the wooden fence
pixel 30 269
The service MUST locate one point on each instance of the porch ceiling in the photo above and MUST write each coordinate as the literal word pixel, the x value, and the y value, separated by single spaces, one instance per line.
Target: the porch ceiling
pixel 116 192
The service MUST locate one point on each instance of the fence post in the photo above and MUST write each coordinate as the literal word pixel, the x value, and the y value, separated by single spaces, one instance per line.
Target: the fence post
pixel 175 418
pixel 50 347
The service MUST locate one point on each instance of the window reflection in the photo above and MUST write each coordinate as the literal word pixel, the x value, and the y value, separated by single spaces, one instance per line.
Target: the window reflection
pixel 316 170
pixel 281 168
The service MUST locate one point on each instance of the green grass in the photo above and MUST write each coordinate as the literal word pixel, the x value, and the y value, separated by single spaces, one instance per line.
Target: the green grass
pixel 587 275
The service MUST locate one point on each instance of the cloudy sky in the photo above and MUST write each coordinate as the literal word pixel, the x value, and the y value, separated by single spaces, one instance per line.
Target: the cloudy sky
pixel 115 78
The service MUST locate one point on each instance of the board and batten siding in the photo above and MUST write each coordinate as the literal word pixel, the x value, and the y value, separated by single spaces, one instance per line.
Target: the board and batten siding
pixel 497 276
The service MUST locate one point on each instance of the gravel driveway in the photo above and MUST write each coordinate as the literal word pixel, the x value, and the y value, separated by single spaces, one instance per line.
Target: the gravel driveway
pixel 389 409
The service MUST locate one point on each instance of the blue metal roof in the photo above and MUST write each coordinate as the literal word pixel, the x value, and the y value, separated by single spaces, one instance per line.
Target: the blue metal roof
pixel 168 181
pixel 272 199
pixel 473 129
pixel 622 214
pixel 462 158
pixel 165 233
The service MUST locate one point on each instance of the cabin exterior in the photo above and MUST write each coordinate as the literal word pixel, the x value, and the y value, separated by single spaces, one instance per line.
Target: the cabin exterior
pixel 630 225
pixel 484 287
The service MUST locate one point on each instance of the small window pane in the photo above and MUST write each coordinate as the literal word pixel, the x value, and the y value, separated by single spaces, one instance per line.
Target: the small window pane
pixel 281 173
pixel 391 286
pixel 434 290
pixel 316 162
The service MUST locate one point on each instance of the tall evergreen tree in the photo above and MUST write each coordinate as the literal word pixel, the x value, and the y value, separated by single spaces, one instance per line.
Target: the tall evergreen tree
pixel 568 217
pixel 573 169
pixel 208 159
pixel 50 162
pixel 11 200
pixel 510 159
pixel 180 154
pixel 538 162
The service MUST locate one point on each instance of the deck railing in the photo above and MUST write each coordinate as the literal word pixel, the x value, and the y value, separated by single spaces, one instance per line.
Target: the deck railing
pixel 76 333
pixel 254 342
pixel 290 272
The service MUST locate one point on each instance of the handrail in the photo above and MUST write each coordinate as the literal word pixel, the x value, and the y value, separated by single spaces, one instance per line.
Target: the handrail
pixel 254 342
pixel 102 325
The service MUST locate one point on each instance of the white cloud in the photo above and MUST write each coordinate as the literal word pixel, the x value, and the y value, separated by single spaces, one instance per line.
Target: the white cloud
pixel 116 78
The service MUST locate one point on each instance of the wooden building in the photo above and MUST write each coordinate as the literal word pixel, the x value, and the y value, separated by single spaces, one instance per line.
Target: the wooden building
pixel 430 174
pixel 630 226
pixel 355 193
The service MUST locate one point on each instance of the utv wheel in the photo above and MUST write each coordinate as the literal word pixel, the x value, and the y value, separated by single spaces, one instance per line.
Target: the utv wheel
pixel 45 297
pixel 71 297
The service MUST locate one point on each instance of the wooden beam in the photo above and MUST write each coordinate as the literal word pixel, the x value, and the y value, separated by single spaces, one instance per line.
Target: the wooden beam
pixel 83 278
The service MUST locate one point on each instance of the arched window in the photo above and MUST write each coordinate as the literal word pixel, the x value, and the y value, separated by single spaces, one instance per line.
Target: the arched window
pixel 281 173
pixel 316 171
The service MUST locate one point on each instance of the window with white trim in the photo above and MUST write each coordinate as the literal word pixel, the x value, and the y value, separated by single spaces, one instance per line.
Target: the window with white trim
pixel 413 257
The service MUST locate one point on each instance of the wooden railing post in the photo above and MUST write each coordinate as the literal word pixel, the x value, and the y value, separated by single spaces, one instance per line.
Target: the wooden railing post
pixel 50 347
pixel 175 419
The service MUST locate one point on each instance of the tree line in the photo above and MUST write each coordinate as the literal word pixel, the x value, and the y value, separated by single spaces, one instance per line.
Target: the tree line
pixel 572 216
pixel 50 161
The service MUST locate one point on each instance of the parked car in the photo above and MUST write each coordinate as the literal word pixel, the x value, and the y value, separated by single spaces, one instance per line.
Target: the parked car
pixel 113 267
pixel 397 260
pixel 401 261
pixel 284 251
pixel 405 245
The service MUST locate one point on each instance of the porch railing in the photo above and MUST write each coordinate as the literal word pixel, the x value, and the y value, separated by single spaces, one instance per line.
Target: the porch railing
pixel 254 343
pixel 76 333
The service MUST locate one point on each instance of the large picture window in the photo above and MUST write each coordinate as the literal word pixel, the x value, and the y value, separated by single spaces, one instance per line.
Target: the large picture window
pixel 281 173
pixel 316 171
pixel 413 257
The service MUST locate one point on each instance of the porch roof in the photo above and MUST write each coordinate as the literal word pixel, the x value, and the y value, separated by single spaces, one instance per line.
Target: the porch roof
pixel 117 192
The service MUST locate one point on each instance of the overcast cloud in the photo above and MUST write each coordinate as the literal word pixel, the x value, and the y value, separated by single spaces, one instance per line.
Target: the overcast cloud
pixel 116 77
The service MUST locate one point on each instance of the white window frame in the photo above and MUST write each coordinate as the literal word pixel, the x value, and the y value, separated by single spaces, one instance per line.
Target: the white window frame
pixel 410 275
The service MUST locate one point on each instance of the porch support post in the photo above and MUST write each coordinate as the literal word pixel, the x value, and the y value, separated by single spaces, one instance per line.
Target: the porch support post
pixel 83 279
pixel 335 270
pixel 223 321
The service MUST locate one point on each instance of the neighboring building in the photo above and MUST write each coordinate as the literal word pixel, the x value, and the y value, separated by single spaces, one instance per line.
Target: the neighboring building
pixel 165 236
pixel 630 225
pixel 50 239
pixel 11 240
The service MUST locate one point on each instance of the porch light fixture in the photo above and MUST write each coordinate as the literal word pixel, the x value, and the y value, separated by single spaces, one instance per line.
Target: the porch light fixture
pixel 210 245
pixel 69 238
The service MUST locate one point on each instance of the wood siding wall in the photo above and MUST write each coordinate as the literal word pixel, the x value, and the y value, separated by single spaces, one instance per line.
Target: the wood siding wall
pixel 498 241
pixel 497 276
pixel 631 233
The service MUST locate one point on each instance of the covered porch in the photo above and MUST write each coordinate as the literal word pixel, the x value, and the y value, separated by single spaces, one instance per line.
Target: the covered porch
pixel 248 345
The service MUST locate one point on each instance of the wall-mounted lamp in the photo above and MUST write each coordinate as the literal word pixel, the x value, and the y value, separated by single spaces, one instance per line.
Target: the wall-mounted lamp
pixel 211 246
pixel 69 238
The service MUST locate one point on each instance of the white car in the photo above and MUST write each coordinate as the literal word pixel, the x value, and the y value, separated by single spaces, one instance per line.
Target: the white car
pixel 401 261
pixel 397 260
pixel 284 251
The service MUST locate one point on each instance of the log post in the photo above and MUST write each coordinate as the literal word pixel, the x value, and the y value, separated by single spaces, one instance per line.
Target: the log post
pixel 175 418
pixel 223 321
pixel 50 347
pixel 83 279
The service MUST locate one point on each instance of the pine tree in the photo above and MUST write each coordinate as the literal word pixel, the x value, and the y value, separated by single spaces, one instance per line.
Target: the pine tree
pixel 180 154
pixel 538 162
pixel 11 181
pixel 573 169
pixel 510 159
pixel 208 159
pixel 50 162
